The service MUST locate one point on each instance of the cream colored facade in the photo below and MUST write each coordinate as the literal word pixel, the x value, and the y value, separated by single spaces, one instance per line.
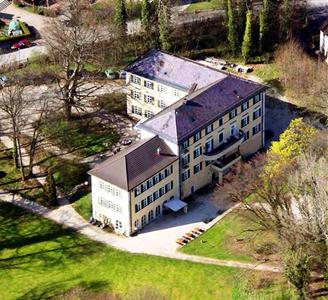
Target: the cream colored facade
pixel 250 144
pixel 146 98
pixel 142 216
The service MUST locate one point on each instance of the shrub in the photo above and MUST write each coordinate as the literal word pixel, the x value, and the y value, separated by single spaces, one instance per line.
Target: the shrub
pixel 26 34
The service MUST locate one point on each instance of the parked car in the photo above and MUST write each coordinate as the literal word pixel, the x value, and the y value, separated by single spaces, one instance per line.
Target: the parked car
pixel 110 74
pixel 21 45
pixel 3 80
pixel 243 69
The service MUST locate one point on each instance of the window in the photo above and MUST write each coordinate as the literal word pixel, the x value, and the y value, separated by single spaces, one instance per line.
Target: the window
pixel 149 199
pixel 118 224
pixel 135 95
pixel 176 93
pixel 138 207
pixel 149 99
pixel 185 144
pixel 161 103
pixel 233 113
pixel 148 84
pixel 150 215
pixel 143 203
pixel 136 224
pixel 256 99
pixel 221 137
pixel 149 183
pixel 185 159
pixel 244 121
pixel 168 187
pixel 143 220
pixel 197 151
pixel 156 195
pixel 233 129
pixel 144 187
pixel 148 113
pixel 136 110
pixel 137 191
pixel 197 136
pixel 244 106
pixel 246 135
pixel 209 129
pixel 156 179
pixel 109 204
pixel 185 175
pixel 257 113
pixel 162 191
pixel 256 129
pixel 162 175
pixel 162 88
pixel 209 146
pixel 135 79
pixel 220 121
pixel 158 210
pixel 197 167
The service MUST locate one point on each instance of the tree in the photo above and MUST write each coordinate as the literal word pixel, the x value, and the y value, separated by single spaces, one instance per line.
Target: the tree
pixel 297 270
pixel 164 24
pixel 13 105
pixel 247 42
pixel 121 15
pixel 50 189
pixel 264 19
pixel 232 28
pixel 75 42
pixel 242 11
pixel 145 16
pixel 286 20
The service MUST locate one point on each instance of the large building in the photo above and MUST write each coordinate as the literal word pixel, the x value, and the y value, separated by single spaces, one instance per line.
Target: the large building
pixel 183 147
pixel 324 40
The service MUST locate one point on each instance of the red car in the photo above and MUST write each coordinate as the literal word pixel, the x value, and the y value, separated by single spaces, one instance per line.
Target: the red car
pixel 21 44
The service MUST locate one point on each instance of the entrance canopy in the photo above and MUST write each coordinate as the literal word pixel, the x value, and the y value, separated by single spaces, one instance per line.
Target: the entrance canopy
pixel 175 204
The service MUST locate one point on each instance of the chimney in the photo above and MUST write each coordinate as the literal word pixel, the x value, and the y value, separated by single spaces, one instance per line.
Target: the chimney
pixel 158 151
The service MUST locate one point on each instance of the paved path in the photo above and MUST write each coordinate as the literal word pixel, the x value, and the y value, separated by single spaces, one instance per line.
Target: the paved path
pixel 68 217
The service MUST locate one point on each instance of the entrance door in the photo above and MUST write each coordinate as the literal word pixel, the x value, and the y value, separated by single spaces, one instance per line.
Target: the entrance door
pixel 233 130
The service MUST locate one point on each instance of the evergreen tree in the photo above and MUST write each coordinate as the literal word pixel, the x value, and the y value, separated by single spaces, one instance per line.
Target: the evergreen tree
pixel 50 189
pixel 242 11
pixel 121 15
pixel 164 25
pixel 232 28
pixel 286 18
pixel 247 41
pixel 145 16
pixel 264 20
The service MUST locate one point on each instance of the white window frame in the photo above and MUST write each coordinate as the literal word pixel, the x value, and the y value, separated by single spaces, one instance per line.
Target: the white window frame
pixel 136 110
pixel 149 113
pixel 149 99
pixel 149 84
pixel 162 103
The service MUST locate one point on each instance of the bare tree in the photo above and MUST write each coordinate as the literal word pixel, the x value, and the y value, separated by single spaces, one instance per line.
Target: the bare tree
pixel 74 42
pixel 13 105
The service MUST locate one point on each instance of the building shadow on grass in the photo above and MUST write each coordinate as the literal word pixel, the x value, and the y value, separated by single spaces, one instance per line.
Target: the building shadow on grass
pixel 68 289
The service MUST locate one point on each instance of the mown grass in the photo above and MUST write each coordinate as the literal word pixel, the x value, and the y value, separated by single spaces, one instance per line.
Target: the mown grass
pixel 205 5
pixel 84 206
pixel 40 260
pixel 232 238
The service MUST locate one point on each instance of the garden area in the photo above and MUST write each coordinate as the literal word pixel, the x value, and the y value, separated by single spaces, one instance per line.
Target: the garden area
pixel 40 260
pixel 84 206
pixel 235 238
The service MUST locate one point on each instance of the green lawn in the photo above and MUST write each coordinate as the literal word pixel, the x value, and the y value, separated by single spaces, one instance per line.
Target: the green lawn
pixel 231 239
pixel 84 206
pixel 41 260
pixel 205 5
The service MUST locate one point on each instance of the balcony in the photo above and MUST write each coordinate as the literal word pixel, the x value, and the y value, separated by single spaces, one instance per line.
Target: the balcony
pixel 224 163
pixel 232 143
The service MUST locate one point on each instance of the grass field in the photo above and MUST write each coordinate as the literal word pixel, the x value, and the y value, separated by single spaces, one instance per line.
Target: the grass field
pixel 41 260
pixel 231 239
pixel 84 206
pixel 205 5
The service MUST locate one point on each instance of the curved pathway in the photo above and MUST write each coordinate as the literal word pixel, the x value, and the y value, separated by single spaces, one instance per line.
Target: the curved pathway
pixel 68 217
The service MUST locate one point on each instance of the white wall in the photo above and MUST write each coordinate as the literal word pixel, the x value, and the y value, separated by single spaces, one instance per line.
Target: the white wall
pixel 323 43
pixel 100 212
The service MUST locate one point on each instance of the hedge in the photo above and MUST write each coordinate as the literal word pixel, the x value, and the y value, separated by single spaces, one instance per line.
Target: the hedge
pixel 26 34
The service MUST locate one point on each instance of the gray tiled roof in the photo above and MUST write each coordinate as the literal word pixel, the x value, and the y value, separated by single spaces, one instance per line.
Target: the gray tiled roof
pixel 192 113
pixel 137 163
pixel 176 71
